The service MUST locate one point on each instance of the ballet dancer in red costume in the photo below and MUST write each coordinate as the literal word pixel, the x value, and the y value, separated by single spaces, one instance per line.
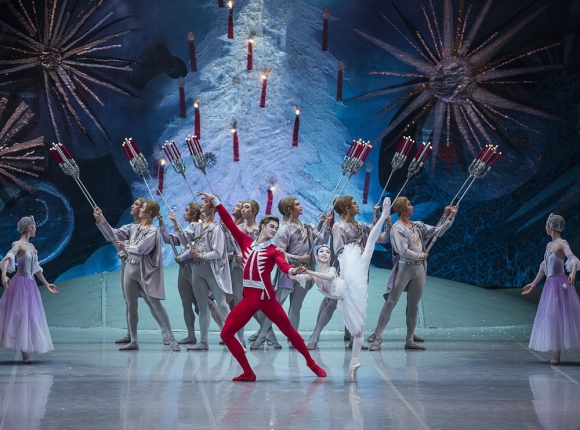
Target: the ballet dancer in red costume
pixel 259 258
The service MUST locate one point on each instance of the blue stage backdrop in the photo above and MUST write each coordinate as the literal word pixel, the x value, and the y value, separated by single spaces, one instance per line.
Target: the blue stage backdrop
pixel 458 75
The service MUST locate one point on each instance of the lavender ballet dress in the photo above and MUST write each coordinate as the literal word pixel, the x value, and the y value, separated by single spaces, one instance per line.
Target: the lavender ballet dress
pixel 22 320
pixel 557 323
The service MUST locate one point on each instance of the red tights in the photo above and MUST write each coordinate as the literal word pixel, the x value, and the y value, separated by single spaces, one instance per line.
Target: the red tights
pixel 243 312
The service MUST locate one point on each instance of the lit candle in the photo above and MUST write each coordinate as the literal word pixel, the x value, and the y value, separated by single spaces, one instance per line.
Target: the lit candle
pixel 64 151
pixel 368 169
pixel 341 67
pixel 270 200
pixel 264 87
pixel 325 16
pixel 368 148
pixel 197 146
pixel 175 150
pixel 408 147
pixel 495 160
pixel 351 148
pixel 127 151
pixel 401 144
pixel 427 152
pixel 197 120
pixel 481 153
pixel 161 177
pixel 231 20
pixel 250 63
pixel 192 59
pixel 358 150
pixel 167 151
pixel 189 146
pixel 296 128
pixel 490 152
pixel 56 156
pixel 134 148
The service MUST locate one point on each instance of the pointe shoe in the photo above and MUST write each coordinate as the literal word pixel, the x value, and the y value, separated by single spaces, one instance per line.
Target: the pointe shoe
pixel 174 346
pixel 253 337
pixel 552 362
pixel 26 358
pixel 354 365
pixel 318 371
pixel 371 338
pixel 245 377
pixel 276 345
pixel 376 345
pixel 312 343
pixel 132 346
pixel 186 340
pixel 257 343
pixel 417 338
pixel 126 339
pixel 201 346
pixel 413 345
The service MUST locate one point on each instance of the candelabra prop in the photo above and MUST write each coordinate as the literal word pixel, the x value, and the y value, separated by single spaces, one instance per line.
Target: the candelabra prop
pixel 399 159
pixel 70 168
pixel 141 167
pixel 477 170
pixel 174 157
pixel 351 164
pixel 197 156
pixel 416 163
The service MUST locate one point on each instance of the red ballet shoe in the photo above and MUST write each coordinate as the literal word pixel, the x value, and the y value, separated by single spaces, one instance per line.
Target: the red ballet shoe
pixel 318 371
pixel 245 377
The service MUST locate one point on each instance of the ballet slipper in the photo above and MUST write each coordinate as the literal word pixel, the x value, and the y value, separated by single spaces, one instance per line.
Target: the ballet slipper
pixel 276 345
pixel 126 339
pixel 253 337
pixel 354 365
pixel 413 345
pixel 132 346
pixel 417 338
pixel 371 338
pixel 257 343
pixel 555 359
pixel 201 346
pixel 174 346
pixel 312 343
pixel 221 342
pixel 318 371
pixel 376 345
pixel 26 358
pixel 245 377
pixel 186 340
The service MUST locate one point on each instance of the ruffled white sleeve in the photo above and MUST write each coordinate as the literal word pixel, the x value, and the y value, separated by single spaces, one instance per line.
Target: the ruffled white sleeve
pixel 11 257
pixel 571 259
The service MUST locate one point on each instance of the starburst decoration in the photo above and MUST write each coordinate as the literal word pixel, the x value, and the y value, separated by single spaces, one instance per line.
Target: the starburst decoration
pixel 454 79
pixel 18 158
pixel 55 47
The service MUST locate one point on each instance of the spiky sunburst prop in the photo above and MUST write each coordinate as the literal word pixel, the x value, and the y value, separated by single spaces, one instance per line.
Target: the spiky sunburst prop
pixel 60 43
pixel 18 158
pixel 452 75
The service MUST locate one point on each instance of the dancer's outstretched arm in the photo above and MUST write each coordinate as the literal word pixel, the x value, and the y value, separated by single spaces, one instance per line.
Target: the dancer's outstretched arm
pixel 376 232
pixel 538 278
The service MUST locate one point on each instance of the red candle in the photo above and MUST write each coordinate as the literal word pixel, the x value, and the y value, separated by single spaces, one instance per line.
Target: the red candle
pixel 181 98
pixel 236 145
pixel 197 145
pixel 127 151
pixel 231 20
pixel 366 153
pixel 134 146
pixel 197 125
pixel 480 153
pixel 161 174
pixel 341 67
pixel 167 151
pixel 408 147
pixel 358 150
pixel 175 150
pixel 270 200
pixel 189 146
pixel 495 160
pixel 296 128
pixel 155 168
pixel 325 16
pixel 192 59
pixel 351 148
pixel 426 154
pixel 368 169
pixel 56 156
pixel 64 151
pixel 489 154
pixel 250 63
pixel 264 87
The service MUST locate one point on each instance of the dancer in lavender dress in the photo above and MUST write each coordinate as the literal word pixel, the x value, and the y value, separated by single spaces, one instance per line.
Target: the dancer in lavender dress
pixel 557 324
pixel 22 320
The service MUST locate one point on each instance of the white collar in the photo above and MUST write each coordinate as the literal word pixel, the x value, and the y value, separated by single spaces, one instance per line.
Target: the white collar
pixel 261 245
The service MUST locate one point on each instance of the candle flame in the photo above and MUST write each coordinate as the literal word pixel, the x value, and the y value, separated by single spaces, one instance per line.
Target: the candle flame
pixel 162 161
pixel 272 188
pixel 195 105
pixel 251 41
pixel 297 111
pixel 264 77
pixel 230 4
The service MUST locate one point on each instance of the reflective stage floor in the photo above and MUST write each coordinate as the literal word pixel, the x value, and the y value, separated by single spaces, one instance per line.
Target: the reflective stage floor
pixel 467 379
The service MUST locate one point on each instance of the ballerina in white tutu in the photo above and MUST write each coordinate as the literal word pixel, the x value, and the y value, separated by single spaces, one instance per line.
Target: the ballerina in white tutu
pixel 350 287
pixel 22 320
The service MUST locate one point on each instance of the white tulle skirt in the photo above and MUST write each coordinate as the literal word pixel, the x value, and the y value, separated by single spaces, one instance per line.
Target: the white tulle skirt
pixel 354 273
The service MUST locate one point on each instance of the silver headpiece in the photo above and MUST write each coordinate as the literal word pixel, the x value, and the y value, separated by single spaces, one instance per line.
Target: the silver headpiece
pixel 25 224
pixel 556 222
